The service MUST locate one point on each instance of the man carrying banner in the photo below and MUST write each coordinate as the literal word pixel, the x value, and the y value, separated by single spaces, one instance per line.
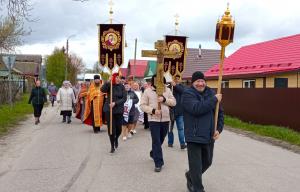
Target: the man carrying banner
pixel 94 105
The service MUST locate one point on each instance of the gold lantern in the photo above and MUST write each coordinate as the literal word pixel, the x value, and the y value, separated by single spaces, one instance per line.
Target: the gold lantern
pixel 224 36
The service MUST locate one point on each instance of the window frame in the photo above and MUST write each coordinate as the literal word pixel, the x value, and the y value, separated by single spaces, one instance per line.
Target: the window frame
pixel 249 81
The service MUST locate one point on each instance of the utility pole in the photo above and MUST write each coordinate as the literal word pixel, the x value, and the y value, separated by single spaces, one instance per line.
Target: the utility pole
pixel 67 56
pixel 134 61
pixel 67 59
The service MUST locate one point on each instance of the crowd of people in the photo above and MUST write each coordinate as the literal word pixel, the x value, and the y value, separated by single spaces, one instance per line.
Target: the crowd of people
pixel 121 104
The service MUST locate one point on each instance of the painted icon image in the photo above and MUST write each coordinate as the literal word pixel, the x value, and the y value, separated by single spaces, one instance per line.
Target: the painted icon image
pixel 111 39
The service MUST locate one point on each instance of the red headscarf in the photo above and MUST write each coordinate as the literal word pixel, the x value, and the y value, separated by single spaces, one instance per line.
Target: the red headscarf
pixel 113 78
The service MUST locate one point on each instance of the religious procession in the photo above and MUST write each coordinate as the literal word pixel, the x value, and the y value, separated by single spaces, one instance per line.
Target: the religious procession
pixel 154 115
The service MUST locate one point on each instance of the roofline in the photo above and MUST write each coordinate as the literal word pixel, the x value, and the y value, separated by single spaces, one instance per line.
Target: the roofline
pixel 253 75
pixel 267 41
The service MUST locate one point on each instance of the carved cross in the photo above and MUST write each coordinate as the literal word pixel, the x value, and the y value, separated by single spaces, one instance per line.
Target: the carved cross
pixel 160 53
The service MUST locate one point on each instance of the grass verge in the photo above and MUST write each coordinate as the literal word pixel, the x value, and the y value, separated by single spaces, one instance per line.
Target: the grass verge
pixel 11 116
pixel 281 133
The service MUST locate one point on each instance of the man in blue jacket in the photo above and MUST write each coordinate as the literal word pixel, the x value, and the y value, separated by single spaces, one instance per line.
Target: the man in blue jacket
pixel 199 103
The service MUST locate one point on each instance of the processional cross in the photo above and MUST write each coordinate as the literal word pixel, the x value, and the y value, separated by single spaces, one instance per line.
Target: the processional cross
pixel 160 53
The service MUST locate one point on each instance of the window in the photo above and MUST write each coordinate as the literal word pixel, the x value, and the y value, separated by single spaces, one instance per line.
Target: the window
pixel 281 82
pixel 249 84
pixel 225 84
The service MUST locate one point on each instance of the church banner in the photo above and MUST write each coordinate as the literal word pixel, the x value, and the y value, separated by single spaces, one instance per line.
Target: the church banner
pixel 176 65
pixel 111 45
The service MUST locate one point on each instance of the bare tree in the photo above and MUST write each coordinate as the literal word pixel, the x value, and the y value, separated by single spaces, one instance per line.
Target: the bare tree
pixel 12 17
pixel 17 8
pixel 11 32
pixel 76 67
pixel 97 68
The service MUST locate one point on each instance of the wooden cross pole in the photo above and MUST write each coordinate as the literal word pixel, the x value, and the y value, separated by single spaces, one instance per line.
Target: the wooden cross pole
pixel 160 53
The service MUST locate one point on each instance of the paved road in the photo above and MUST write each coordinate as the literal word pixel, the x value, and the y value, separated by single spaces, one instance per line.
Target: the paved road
pixel 56 157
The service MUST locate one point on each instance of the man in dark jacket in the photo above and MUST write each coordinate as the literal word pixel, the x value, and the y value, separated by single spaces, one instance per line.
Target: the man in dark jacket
pixel 119 97
pixel 199 103
pixel 177 112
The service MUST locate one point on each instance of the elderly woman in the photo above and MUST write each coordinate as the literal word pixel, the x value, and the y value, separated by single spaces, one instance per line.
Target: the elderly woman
pixel 66 99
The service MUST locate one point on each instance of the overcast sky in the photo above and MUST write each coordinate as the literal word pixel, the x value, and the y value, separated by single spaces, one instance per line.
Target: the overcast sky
pixel 150 20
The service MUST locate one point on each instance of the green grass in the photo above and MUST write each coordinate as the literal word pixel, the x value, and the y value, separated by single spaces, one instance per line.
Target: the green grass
pixel 11 116
pixel 281 133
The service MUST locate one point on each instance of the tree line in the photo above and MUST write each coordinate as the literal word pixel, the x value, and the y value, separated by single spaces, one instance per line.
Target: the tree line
pixel 56 67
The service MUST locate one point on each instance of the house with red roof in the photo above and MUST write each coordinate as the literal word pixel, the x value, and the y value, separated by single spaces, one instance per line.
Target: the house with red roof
pixel 269 64
pixel 136 69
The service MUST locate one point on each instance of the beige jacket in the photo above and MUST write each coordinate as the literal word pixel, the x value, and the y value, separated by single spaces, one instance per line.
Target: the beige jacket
pixel 66 98
pixel 149 102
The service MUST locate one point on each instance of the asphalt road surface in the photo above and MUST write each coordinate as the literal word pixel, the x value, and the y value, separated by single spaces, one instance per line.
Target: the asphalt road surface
pixel 57 157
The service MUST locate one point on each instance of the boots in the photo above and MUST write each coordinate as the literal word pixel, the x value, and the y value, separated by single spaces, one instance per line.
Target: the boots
pixel 68 119
pixel 116 144
pixel 64 119
pixel 36 121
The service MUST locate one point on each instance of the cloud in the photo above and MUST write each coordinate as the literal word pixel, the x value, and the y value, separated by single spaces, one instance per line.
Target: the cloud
pixel 149 21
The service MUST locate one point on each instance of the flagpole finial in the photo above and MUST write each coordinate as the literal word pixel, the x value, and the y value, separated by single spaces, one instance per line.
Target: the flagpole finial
pixel 111 3
pixel 176 23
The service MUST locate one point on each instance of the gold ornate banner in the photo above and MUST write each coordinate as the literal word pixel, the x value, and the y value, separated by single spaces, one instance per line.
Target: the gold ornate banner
pixel 111 45
pixel 176 65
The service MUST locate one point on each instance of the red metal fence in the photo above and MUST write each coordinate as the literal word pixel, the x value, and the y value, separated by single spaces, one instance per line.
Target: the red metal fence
pixel 267 106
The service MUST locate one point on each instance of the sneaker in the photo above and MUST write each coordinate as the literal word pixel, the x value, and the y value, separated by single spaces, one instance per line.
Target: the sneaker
pixel 134 131
pixel 183 146
pixel 157 169
pixel 170 145
pixel 124 138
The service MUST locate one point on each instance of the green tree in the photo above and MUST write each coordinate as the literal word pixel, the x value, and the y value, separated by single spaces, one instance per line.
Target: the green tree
pixel 55 67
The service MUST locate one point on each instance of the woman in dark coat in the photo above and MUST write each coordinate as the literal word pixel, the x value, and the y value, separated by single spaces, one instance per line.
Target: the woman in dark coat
pixel 119 97
pixel 37 99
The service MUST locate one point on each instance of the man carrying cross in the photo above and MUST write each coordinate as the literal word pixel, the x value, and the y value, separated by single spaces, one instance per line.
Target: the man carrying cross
pixel 157 108
pixel 156 101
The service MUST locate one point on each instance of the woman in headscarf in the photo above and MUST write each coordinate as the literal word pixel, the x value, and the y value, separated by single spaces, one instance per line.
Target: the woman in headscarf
pixel 119 97
pixel 66 99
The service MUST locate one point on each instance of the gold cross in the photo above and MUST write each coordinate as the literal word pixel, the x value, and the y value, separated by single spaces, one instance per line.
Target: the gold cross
pixel 176 23
pixel 160 53
pixel 111 4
